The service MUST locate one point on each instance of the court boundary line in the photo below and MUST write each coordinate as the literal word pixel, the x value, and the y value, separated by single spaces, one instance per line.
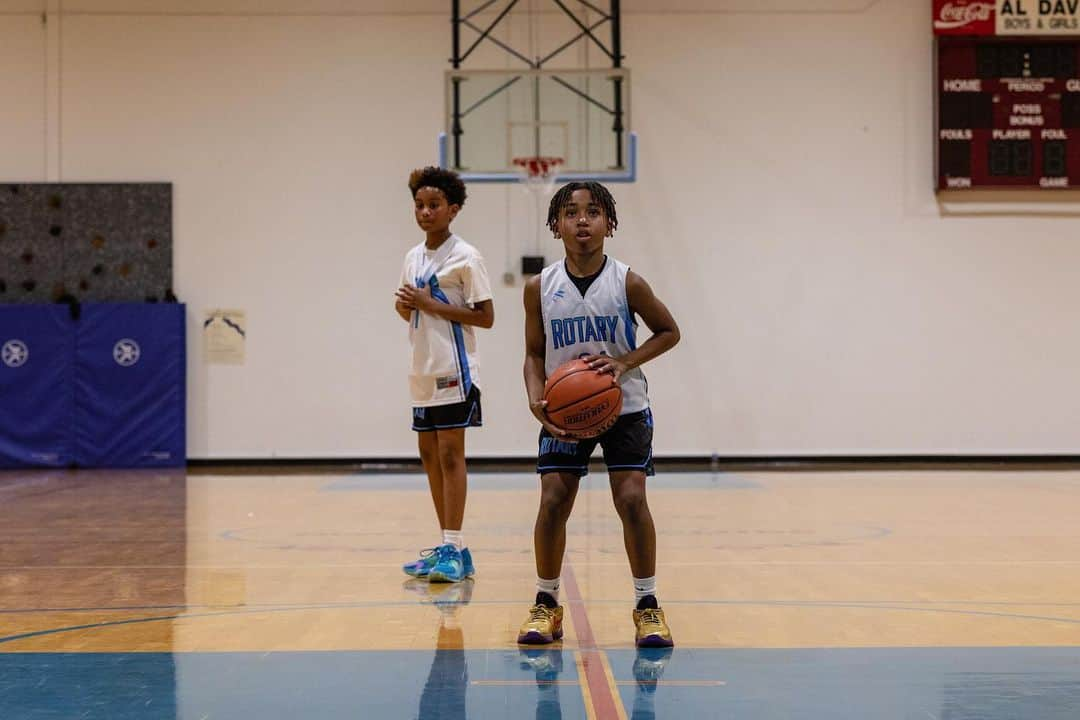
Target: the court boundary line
pixel 354 604
pixel 577 610
pixel 612 563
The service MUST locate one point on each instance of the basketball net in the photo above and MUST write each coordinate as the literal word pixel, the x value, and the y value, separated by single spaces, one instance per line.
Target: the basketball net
pixel 538 174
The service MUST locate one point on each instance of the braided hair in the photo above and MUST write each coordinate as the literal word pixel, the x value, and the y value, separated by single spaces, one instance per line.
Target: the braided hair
pixel 600 195
pixel 441 179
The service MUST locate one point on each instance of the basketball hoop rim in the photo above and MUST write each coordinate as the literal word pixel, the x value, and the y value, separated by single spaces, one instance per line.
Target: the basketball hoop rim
pixel 627 174
pixel 538 167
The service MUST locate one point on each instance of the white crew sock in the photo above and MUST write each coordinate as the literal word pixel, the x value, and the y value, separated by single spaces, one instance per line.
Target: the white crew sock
pixel 551 587
pixel 643 587
pixel 454 537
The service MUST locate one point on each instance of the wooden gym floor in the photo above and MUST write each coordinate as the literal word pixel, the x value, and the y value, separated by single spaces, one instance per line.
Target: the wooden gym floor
pixel 889 595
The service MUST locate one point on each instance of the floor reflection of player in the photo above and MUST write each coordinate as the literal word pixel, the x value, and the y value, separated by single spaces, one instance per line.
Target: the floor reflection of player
pixel 443 697
pixel 649 667
pixel 547 664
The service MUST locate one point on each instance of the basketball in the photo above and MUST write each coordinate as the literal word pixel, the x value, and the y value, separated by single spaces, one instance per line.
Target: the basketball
pixel 582 401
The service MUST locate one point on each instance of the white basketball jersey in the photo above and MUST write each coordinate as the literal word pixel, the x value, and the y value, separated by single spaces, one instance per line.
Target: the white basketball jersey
pixel 600 323
pixel 444 366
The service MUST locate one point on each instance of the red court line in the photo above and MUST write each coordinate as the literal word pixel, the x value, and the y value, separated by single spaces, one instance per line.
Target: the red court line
pixel 603 701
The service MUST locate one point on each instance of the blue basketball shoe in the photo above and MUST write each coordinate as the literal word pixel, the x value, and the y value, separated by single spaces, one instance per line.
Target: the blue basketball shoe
pixel 450 565
pixel 466 557
pixel 420 567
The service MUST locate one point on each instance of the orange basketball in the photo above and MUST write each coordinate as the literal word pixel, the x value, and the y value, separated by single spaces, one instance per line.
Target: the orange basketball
pixel 582 401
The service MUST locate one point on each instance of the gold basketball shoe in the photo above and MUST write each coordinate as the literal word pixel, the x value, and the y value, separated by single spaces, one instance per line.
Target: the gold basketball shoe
pixel 652 628
pixel 543 626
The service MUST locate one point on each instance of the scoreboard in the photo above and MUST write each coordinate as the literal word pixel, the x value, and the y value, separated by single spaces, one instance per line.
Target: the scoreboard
pixel 1008 94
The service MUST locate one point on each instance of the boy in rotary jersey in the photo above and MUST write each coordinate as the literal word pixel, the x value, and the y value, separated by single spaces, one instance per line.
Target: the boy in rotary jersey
pixel 585 306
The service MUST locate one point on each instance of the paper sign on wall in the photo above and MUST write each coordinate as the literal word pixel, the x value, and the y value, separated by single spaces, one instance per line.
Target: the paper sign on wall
pixel 224 337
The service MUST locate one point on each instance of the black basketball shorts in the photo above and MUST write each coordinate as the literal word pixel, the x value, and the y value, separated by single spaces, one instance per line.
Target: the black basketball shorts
pixel 446 417
pixel 627 446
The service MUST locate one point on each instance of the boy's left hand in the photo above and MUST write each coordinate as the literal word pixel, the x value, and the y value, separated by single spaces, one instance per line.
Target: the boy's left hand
pixel 415 298
pixel 607 364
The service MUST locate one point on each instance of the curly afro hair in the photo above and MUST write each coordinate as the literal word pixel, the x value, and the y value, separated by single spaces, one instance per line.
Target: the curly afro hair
pixel 441 179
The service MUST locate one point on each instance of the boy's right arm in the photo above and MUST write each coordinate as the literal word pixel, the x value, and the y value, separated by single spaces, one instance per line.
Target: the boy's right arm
pixel 401 308
pixel 535 347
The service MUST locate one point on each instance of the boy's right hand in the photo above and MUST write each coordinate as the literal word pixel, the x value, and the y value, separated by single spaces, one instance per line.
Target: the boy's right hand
pixel 537 407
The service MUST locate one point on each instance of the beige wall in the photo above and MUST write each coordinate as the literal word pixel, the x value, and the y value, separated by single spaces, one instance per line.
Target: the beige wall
pixel 22 85
pixel 784 211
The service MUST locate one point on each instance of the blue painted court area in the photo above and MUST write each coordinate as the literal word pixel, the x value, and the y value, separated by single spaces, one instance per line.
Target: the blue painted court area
pixel 856 684
pixel 330 685
pixel 823 684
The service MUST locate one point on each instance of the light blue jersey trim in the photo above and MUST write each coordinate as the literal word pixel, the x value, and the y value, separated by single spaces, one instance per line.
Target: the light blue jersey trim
pixel 460 357
pixel 543 468
pixel 630 329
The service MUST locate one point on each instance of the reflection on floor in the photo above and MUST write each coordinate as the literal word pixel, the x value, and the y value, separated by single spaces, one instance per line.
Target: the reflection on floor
pixel 832 595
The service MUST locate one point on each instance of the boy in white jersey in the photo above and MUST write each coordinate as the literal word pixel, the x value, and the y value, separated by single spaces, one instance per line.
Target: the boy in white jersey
pixel 444 294
pixel 584 306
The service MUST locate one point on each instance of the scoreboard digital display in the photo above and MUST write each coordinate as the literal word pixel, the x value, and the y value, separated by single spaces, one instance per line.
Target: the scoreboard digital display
pixel 1008 106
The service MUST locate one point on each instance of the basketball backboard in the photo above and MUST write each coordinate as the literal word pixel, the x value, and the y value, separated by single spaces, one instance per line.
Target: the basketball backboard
pixel 496 117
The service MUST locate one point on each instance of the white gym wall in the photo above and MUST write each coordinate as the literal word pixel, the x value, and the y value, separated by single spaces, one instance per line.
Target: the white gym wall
pixel 784 210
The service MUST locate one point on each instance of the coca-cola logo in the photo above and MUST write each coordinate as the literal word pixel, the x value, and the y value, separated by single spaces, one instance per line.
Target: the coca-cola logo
pixel 953 15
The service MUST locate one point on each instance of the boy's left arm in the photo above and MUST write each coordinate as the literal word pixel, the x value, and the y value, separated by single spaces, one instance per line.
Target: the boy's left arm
pixel 479 309
pixel 481 314
pixel 665 331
